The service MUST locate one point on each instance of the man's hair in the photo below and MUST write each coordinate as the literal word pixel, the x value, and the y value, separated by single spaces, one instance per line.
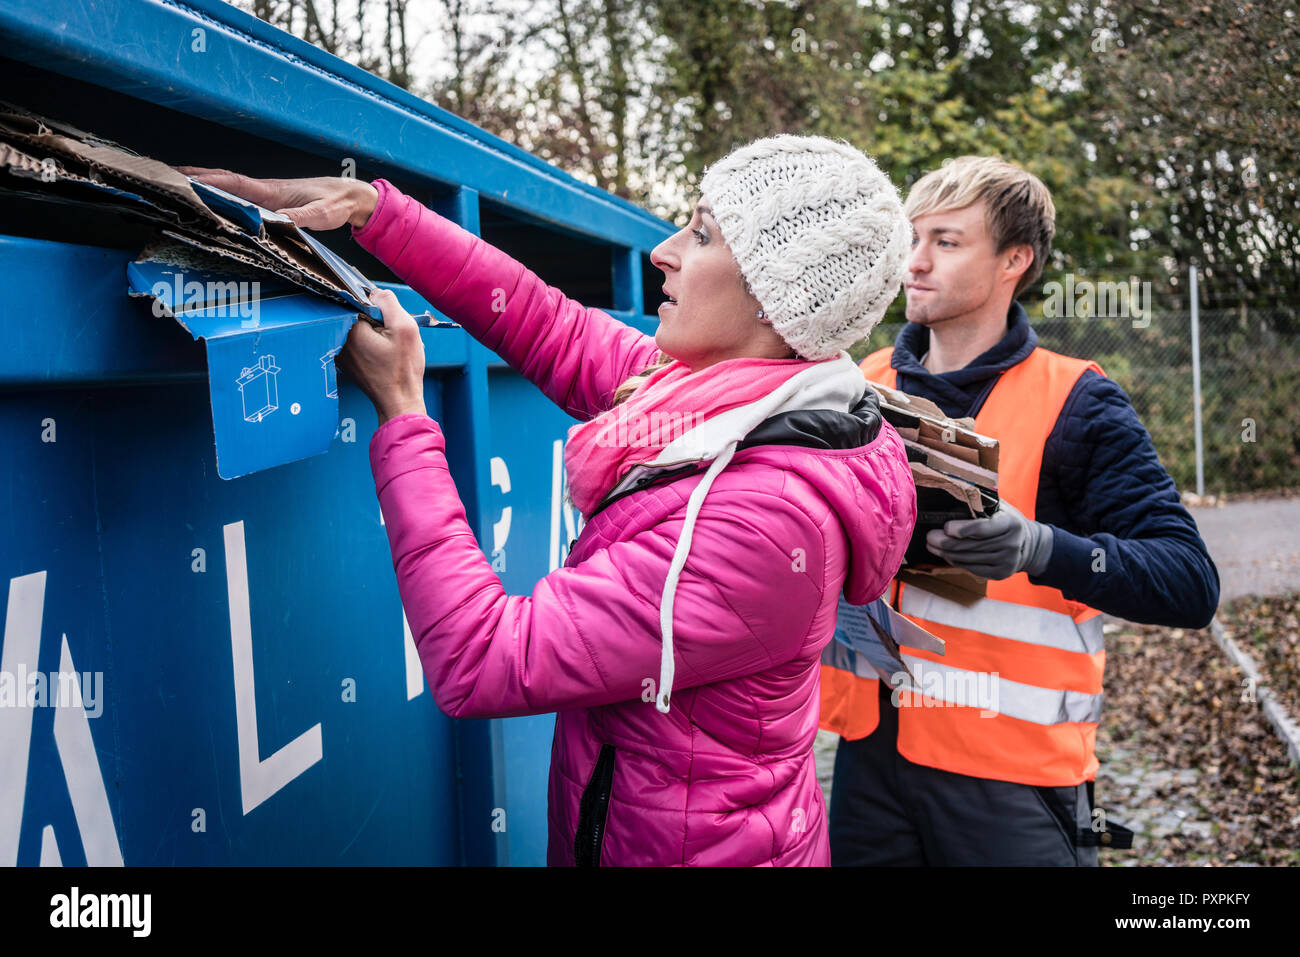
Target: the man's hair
pixel 1019 207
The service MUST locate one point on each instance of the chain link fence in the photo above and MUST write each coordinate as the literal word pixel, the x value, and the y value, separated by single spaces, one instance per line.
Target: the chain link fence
pixel 1250 382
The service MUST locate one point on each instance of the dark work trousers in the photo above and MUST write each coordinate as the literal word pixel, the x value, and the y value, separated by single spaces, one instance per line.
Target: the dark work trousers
pixel 887 811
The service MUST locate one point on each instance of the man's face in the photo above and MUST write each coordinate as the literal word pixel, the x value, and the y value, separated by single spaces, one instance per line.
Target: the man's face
pixel 953 270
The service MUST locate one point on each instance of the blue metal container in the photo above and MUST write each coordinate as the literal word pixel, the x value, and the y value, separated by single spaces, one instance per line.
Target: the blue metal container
pixel 246 691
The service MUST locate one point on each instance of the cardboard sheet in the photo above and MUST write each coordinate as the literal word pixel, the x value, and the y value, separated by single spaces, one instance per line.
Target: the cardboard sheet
pixel 956 474
pixel 868 641
pixel 272 303
pixel 76 164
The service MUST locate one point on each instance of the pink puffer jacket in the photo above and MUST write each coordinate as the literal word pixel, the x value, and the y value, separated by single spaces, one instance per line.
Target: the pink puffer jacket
pixel 727 776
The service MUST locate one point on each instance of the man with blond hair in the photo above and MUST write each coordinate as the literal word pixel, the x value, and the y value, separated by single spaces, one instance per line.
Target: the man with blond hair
pixel 1088 522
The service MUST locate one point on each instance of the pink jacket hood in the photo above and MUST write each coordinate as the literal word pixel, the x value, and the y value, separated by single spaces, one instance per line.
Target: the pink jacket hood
pixel 812 503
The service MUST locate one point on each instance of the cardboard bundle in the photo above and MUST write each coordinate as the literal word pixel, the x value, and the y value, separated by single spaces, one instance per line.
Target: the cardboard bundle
pixel 273 305
pixel 196 224
pixel 956 474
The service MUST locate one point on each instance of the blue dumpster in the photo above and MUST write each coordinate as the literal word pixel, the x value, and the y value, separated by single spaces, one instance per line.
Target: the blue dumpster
pixel 200 670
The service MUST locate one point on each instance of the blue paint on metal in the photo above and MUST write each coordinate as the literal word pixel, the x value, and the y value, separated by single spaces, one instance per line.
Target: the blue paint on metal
pixel 271 375
pixel 88 331
pixel 112 511
pixel 264 606
pixel 629 296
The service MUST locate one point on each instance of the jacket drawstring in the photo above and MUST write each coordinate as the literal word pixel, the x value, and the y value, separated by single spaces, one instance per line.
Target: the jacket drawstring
pixel 666 664
pixel 837 385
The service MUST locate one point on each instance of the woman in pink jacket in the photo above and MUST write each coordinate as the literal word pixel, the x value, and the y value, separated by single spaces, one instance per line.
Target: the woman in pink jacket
pixel 734 476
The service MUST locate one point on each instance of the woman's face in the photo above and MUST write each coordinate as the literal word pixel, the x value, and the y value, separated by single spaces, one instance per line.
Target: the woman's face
pixel 713 317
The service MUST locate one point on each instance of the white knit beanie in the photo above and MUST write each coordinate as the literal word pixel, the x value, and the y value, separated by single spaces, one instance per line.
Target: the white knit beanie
pixel 819 233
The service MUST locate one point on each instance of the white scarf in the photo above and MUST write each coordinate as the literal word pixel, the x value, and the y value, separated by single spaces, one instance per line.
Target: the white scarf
pixel 837 385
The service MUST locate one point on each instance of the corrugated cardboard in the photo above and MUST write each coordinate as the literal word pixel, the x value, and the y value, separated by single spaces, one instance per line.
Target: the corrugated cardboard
pixel 956 474
pixel 272 304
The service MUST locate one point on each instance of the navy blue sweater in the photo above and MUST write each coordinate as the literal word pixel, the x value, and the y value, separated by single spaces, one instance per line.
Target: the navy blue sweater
pixel 1101 486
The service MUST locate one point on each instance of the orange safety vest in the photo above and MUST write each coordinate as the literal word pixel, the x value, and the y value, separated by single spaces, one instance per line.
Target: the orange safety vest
pixel 1017 696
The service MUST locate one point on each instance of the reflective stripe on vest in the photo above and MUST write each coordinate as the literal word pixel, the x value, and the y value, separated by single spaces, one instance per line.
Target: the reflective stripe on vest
pixel 1018 695
pixel 1035 626
pixel 995 695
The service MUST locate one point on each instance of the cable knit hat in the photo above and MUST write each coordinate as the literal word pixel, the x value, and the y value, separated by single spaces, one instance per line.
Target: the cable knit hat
pixel 819 233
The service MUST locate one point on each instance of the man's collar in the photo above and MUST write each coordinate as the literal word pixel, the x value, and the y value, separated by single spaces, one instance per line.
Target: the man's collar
pixel 1020 340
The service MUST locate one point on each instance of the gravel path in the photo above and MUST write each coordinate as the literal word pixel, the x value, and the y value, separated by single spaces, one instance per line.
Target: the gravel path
pixel 1254 544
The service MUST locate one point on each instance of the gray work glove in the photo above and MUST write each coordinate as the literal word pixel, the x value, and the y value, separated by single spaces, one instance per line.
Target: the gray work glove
pixel 995 547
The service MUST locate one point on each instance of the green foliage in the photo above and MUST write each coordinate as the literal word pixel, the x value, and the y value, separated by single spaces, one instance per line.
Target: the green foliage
pixel 1196 101
pixel 1249 374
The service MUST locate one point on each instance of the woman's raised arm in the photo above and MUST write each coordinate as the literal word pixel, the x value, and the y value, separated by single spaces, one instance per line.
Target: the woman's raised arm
pixel 576 355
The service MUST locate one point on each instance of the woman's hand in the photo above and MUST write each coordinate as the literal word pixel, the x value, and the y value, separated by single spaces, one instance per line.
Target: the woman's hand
pixel 318 202
pixel 388 362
